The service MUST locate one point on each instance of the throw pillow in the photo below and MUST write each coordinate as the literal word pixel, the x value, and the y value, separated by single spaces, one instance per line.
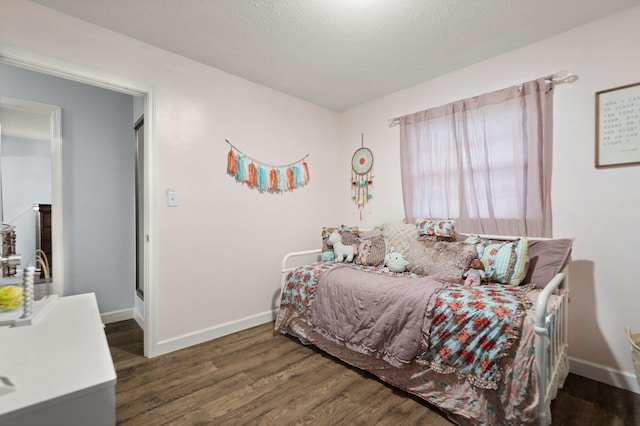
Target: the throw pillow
pixel 441 260
pixel 547 258
pixel 436 230
pixel 371 251
pixel 399 235
pixel 506 262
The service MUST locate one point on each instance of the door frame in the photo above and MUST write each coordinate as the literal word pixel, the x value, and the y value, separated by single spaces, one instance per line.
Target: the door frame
pixel 47 65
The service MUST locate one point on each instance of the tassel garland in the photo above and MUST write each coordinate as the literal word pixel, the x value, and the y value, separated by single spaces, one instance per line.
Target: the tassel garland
pixel 265 177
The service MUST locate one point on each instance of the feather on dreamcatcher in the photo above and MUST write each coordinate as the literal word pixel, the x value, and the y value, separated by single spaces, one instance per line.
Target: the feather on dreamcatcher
pixel 362 177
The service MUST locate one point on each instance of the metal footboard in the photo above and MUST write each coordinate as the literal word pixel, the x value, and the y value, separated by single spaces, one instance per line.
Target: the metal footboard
pixel 551 344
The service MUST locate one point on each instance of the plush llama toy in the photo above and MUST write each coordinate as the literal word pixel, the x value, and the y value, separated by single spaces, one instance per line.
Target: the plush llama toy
pixel 340 250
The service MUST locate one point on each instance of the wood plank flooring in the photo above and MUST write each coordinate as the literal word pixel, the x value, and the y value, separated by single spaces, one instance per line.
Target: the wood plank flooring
pixel 257 378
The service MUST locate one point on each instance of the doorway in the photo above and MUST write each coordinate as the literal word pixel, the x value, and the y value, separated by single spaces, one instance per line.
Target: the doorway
pixel 145 263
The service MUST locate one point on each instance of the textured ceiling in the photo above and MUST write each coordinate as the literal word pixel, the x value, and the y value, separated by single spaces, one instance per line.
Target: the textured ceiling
pixel 339 53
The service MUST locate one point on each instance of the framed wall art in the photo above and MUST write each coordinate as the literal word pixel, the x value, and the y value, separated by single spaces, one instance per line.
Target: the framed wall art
pixel 618 126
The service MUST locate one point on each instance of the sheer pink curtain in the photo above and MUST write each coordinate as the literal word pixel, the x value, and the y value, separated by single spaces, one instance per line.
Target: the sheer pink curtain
pixel 483 161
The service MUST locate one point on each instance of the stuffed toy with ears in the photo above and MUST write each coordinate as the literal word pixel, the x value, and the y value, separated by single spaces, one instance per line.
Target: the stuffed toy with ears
pixel 395 262
pixel 342 252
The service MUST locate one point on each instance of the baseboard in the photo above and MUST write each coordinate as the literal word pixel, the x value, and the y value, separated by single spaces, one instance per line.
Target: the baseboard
pixel 184 341
pixel 620 379
pixel 115 316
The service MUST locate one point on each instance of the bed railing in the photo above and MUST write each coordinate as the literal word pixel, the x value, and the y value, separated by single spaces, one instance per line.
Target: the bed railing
pixel 551 343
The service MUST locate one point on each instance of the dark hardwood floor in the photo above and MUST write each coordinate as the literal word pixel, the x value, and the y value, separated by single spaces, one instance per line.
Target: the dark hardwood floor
pixel 257 378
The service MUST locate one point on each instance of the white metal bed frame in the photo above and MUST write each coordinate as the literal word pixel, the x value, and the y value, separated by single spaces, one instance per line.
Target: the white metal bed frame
pixel 552 337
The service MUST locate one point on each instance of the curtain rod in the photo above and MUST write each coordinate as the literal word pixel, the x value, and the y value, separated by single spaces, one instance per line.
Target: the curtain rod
pixel 560 77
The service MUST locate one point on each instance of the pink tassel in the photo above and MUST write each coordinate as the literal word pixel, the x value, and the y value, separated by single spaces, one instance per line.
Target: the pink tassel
pixel 252 179
pixel 306 171
pixel 232 166
pixel 290 182
pixel 273 180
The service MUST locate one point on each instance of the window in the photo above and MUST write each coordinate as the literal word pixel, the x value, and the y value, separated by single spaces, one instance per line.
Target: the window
pixel 484 162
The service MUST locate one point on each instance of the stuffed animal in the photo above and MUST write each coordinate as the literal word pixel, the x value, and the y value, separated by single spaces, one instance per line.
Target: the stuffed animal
pixel 395 262
pixel 475 275
pixel 342 252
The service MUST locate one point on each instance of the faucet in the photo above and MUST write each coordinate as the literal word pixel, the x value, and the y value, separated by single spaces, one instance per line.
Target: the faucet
pixel 11 260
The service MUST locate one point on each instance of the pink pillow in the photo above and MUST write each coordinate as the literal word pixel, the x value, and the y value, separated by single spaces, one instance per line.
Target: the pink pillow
pixel 547 258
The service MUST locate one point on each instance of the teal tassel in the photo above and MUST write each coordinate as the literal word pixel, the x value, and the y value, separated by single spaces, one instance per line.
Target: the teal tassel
pixel 262 179
pixel 240 174
pixel 296 176
pixel 281 185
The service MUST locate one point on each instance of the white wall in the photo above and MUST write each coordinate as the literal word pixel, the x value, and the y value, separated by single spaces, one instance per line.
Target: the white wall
pixel 597 207
pixel 220 226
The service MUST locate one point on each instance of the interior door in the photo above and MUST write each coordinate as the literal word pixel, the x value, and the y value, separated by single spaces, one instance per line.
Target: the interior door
pixel 139 193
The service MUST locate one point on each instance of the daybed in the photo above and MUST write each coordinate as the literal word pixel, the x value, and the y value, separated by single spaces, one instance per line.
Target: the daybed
pixel 493 354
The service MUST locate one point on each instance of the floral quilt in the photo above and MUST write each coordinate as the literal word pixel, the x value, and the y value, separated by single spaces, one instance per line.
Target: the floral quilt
pixel 473 329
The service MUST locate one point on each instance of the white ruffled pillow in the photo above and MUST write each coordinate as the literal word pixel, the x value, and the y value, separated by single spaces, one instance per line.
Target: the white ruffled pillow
pixel 400 235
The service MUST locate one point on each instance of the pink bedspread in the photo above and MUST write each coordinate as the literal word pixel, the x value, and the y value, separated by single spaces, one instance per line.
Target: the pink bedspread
pixel 388 317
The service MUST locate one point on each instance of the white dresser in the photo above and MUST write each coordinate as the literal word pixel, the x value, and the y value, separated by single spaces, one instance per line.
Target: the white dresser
pixel 60 366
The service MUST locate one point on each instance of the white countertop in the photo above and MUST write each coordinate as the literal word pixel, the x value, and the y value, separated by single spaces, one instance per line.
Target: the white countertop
pixel 61 355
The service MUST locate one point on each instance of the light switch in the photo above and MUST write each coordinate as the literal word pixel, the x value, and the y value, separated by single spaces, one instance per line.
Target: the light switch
pixel 172 198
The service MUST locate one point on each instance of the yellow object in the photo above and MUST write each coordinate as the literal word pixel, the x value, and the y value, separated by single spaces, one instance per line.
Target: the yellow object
pixel 11 297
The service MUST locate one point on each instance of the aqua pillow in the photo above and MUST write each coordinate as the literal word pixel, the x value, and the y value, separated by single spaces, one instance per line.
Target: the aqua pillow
pixel 506 262
pixel 478 242
pixel 439 229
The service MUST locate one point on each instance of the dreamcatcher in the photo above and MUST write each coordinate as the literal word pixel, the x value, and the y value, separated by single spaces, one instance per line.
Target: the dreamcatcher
pixel 362 177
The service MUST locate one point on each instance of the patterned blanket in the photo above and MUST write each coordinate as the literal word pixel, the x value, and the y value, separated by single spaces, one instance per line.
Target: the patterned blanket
pixel 473 328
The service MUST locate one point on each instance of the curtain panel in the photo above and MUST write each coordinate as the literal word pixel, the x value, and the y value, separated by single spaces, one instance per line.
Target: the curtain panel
pixel 484 162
